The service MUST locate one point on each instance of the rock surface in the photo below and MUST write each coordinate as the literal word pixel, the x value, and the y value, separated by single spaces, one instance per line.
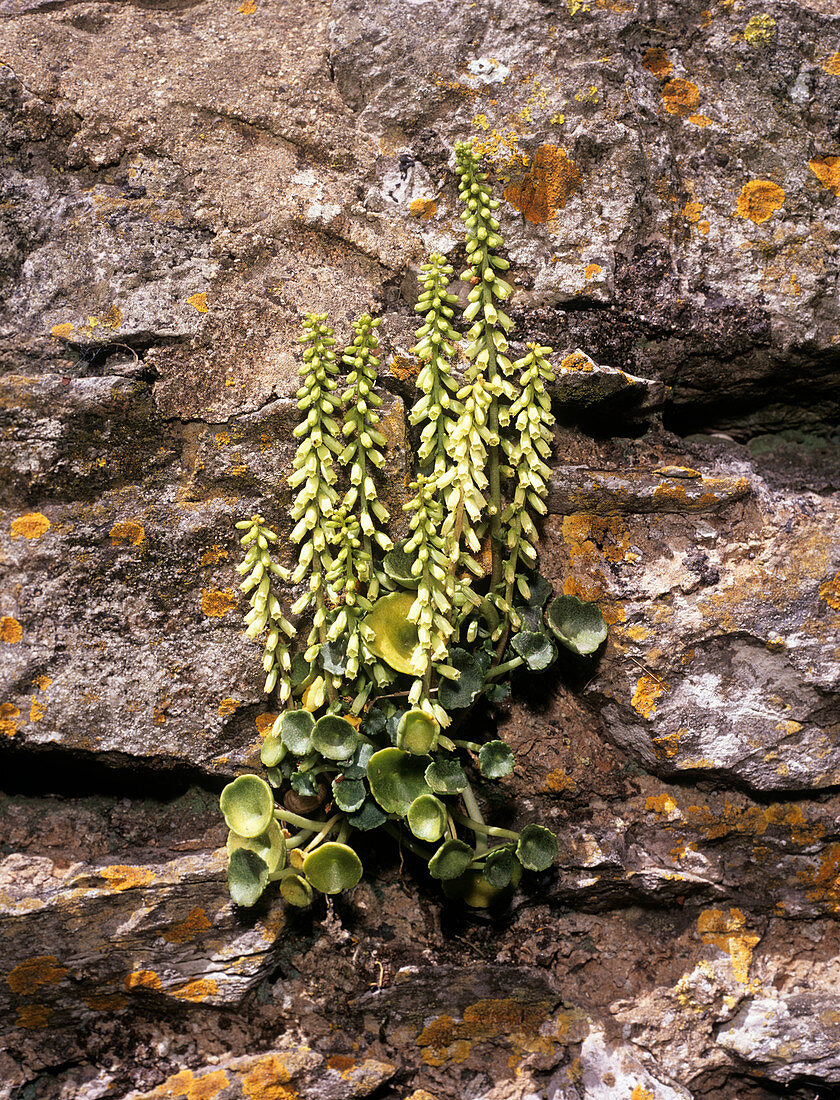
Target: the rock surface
pixel 181 182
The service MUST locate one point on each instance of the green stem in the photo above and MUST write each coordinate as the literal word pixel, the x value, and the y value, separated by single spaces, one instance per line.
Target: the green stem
pixel 472 746
pixel 476 817
pixel 327 829
pixel 485 830
pixel 508 666
pixel 299 838
pixel 296 819
pixel 405 842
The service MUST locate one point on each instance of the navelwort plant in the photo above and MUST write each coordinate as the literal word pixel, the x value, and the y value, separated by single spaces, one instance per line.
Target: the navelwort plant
pixel 378 724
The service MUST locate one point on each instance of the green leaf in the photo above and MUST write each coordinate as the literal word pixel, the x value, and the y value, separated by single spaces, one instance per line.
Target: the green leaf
pixel 300 672
pixel 536 647
pixel 454 695
pixel 349 794
pixel 248 805
pixel 396 778
pixel 495 760
pixel 532 619
pixel 541 589
pixel 498 867
pixel 296 891
pixel 334 737
pixel 270 846
pixel 275 777
pixel 427 818
pixel 368 817
pixel 446 777
pixel 537 848
pixel 417 732
pixel 451 859
pixel 247 876
pixel 272 750
pixel 394 639
pixel 374 721
pixel 577 624
pixel 497 693
pixel 334 657
pixel 332 868
pixel 356 767
pixel 397 565
pixel 303 783
pixel 296 731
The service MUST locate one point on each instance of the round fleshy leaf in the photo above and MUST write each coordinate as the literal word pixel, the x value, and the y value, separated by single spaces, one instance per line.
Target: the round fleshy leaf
pixel 333 656
pixel 397 565
pixel 495 760
pixel 332 868
pixel 296 891
pixel 536 647
pixel 334 737
pixel 356 767
pixel 270 846
pixel 473 889
pixel 456 694
pixel 273 750
pixel 393 639
pixel 537 848
pixel 296 731
pixel 349 794
pixel 305 784
pixel 446 777
pixel 247 877
pixel 451 859
pixel 396 778
pixel 427 818
pixel 248 805
pixel 531 618
pixel 417 732
pixel 498 867
pixel 577 624
pixel 368 817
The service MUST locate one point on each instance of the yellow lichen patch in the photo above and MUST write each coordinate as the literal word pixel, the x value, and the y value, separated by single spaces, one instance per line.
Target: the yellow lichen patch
pixel 35 972
pixel 198 301
pixel 31 526
pixel 656 61
pixel 692 211
pixel 247 7
pixel 143 979
pixel 113 319
pixel 680 97
pixel 591 270
pixel 547 188
pixel 264 722
pixel 759 200
pixel 37 711
pixel 641 1093
pixel 728 932
pixel 480 122
pixel 127 531
pixel 222 439
pixel 228 706
pixel 589 94
pixel 185 1084
pixel 647 691
pixel 423 208
pixel 668 743
pixel 831 65
pixel 445 1040
pixel 191 926
pixel 660 804
pixel 267 1080
pixel 558 781
pixel 8 713
pixel 578 361
pixel 10 630
pixel 760 30
pixel 214 555
pixel 63 331
pixel 215 604
pixel 827 171
pixel 823 883
pixel 404 368
pixel 199 989
pixel 33 1016
pixel 830 592
pixel 126 878
pixel 42 682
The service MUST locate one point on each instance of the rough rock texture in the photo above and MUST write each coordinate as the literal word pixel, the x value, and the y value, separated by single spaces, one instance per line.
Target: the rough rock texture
pixel 181 180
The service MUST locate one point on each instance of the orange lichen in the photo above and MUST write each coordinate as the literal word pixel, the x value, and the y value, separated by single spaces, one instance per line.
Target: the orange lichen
pixel 578 361
pixel 648 690
pixel 700 120
pixel 64 331
pixel 199 989
pixel 8 713
pixel 341 1062
pixel 247 7
pixel 264 722
pixel 830 592
pixel 680 97
pixel 185 1084
pixel 641 1093
pixel 445 1040
pixel 10 630
pixel 31 526
pixel 660 804
pixel 591 270
pixel 668 744
pixel 728 932
pixel 692 211
pixel 404 368
pixel 656 61
pixel 557 780
pixel 127 531
pixel 423 208
pixel 33 1016
pixel 215 604
pixel 127 878
pixel 42 682
pixel 228 706
pixel 198 301
pixel 143 979
pixel 191 926
pixel 759 200
pixel 827 171
pixel 37 971
pixel 831 65
pixel 547 188
pixel 222 439
pixel 37 710
pixel 267 1080
pixel 214 555
pixel 107 1002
